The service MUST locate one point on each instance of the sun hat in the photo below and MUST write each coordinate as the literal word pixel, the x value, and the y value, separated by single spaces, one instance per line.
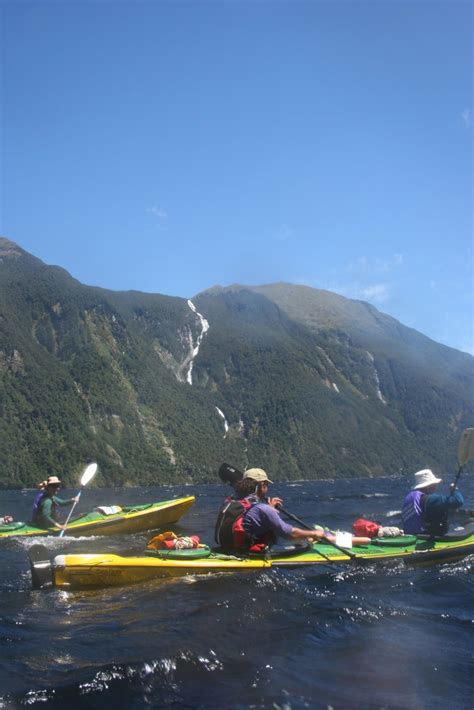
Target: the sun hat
pixel 257 474
pixel 425 478
pixel 53 481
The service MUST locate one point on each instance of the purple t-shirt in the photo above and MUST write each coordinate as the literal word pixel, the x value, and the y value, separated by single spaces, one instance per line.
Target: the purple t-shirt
pixel 261 519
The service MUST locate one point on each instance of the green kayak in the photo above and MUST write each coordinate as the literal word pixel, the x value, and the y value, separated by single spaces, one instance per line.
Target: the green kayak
pixel 73 571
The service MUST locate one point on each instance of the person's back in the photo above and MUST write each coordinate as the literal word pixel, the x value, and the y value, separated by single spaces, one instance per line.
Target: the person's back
pixel 37 505
pixel 259 524
pixel 437 510
pixel 426 512
pixel 263 524
pixel 413 513
pixel 229 533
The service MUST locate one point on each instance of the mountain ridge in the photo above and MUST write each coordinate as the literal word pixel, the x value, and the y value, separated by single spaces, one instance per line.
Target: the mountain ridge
pixel 310 383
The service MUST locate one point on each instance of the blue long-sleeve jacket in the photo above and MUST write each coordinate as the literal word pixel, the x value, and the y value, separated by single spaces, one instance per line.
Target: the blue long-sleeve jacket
pixel 437 508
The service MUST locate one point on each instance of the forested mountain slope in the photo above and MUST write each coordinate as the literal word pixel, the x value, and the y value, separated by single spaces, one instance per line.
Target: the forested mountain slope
pixel 160 389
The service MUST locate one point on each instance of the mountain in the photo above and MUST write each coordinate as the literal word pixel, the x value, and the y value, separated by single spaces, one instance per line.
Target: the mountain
pixel 303 382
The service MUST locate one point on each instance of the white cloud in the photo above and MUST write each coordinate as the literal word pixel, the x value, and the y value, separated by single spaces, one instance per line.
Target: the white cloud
pixel 378 293
pixel 158 212
pixel 466 116
pixel 365 278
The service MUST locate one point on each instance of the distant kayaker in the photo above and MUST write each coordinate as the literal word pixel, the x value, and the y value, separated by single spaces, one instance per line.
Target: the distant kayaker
pixel 425 511
pixel 46 504
pixel 251 520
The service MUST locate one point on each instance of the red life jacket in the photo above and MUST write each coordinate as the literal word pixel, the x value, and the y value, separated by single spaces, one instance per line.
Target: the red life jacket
pixel 229 531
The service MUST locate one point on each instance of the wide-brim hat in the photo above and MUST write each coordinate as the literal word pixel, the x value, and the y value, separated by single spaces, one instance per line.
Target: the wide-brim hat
pixel 257 474
pixel 53 481
pixel 425 478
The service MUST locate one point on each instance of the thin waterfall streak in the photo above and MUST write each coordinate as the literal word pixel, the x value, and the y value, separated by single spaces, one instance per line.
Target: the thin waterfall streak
pixel 195 348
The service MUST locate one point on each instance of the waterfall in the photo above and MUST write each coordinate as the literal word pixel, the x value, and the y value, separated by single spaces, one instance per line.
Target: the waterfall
pixel 195 348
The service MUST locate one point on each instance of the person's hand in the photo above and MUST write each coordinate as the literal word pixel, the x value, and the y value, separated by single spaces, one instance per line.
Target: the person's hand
pixel 452 488
pixel 76 499
pixel 60 526
pixel 275 502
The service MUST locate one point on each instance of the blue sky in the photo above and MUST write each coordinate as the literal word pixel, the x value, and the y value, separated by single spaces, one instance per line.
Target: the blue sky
pixel 171 146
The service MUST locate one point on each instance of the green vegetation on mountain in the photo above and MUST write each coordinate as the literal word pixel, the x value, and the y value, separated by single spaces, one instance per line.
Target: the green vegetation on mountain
pixel 318 400
pixel 312 385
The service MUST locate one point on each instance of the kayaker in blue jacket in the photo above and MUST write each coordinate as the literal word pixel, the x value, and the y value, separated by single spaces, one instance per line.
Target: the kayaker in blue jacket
pixel 426 512
pixel 46 504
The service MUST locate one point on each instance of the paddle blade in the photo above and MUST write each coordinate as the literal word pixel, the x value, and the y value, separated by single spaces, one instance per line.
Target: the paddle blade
pixel 89 473
pixel 466 447
pixel 229 474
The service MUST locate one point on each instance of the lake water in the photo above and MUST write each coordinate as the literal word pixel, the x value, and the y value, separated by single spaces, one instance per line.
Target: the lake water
pixel 342 636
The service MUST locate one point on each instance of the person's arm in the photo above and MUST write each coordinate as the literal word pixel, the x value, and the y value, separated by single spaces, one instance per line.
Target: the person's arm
pixel 456 498
pixel 283 529
pixel 299 533
pixel 275 502
pixel 66 501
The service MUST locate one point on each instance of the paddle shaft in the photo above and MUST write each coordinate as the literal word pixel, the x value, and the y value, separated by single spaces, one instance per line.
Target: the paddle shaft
pixel 323 537
pixel 457 475
pixel 465 451
pixel 88 475
pixel 71 512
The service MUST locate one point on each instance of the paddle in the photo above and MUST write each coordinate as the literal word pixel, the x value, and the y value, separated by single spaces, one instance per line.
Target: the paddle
pixel 88 475
pixel 230 474
pixel 323 537
pixel 465 451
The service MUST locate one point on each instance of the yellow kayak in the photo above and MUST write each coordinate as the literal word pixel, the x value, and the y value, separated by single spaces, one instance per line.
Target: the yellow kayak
pixel 104 570
pixel 116 520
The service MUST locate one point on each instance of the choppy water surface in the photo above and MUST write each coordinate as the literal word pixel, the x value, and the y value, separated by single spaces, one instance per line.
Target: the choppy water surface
pixel 333 636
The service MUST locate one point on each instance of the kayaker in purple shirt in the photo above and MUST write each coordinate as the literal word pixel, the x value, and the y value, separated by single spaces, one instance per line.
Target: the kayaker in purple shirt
pixel 262 521
pixel 426 512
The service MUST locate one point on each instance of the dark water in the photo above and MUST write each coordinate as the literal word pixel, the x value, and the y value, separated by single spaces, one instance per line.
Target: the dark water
pixel 329 637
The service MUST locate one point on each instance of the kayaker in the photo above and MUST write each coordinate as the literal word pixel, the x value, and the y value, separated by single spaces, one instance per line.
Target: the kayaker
pixel 252 522
pixel 46 504
pixel 426 512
